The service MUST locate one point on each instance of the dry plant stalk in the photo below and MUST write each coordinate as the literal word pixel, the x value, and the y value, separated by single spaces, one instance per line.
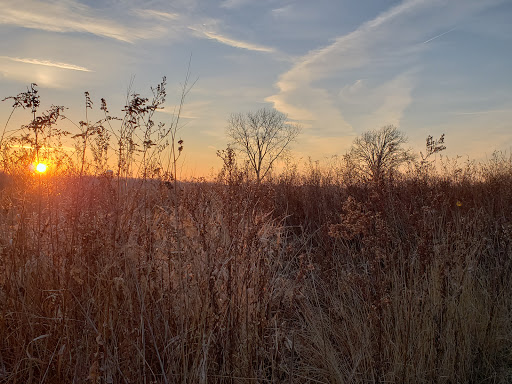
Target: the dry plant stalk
pixel 299 279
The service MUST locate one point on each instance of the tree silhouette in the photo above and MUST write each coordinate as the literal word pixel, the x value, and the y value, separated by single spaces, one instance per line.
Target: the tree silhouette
pixel 378 152
pixel 262 136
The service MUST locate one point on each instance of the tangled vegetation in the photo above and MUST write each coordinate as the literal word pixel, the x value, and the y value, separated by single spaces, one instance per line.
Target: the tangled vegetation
pixel 316 276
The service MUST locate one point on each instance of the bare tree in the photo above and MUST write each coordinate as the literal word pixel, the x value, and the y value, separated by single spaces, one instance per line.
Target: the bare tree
pixel 378 152
pixel 262 136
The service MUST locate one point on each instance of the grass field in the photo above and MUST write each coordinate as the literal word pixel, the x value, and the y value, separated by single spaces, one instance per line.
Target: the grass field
pixel 305 278
pixel 317 276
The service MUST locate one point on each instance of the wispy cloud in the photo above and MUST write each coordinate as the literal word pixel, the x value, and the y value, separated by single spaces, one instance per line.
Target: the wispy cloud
pixel 486 112
pixel 69 16
pixel 151 13
pixel 282 12
pixel 381 104
pixel 230 41
pixel 300 97
pixel 47 63
pixel 386 45
pixel 203 28
pixel 191 110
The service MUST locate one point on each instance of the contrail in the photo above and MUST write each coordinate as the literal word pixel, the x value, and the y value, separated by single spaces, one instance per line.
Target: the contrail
pixel 435 37
pixel 483 112
pixel 47 63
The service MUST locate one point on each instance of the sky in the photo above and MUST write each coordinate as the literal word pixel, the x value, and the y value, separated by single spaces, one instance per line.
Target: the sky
pixel 336 67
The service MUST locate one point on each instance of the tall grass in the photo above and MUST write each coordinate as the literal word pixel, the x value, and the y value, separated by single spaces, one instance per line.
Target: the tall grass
pixel 314 276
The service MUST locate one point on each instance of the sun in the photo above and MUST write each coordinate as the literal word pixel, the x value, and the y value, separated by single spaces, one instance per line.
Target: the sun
pixel 41 168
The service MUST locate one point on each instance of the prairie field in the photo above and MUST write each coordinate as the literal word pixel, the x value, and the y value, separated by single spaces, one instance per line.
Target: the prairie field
pixel 318 192
pixel 307 277
pixel 319 273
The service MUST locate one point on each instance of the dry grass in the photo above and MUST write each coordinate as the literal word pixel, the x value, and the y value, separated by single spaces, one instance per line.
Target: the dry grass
pixel 302 279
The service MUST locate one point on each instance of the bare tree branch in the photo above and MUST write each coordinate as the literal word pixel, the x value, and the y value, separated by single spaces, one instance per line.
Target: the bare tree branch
pixel 262 136
pixel 378 152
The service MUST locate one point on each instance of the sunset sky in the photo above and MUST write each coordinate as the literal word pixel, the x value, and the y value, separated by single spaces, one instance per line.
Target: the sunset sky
pixel 337 67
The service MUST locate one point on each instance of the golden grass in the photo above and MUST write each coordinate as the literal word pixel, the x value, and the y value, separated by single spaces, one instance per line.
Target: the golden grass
pixel 255 283
pixel 313 277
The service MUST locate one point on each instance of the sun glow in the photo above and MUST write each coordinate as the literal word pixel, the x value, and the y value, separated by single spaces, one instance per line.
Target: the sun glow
pixel 41 168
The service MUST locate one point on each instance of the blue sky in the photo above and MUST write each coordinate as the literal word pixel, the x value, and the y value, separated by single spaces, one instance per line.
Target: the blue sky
pixel 338 68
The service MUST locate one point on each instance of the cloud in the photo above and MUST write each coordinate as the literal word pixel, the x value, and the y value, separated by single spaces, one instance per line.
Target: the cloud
pixel 70 16
pixel 388 45
pixel 348 91
pixel 385 104
pixel 200 32
pixel 150 13
pixel 283 11
pixel 47 63
pixel 191 110
pixel 204 28
pixel 485 112
pixel 377 104
pixel 42 75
